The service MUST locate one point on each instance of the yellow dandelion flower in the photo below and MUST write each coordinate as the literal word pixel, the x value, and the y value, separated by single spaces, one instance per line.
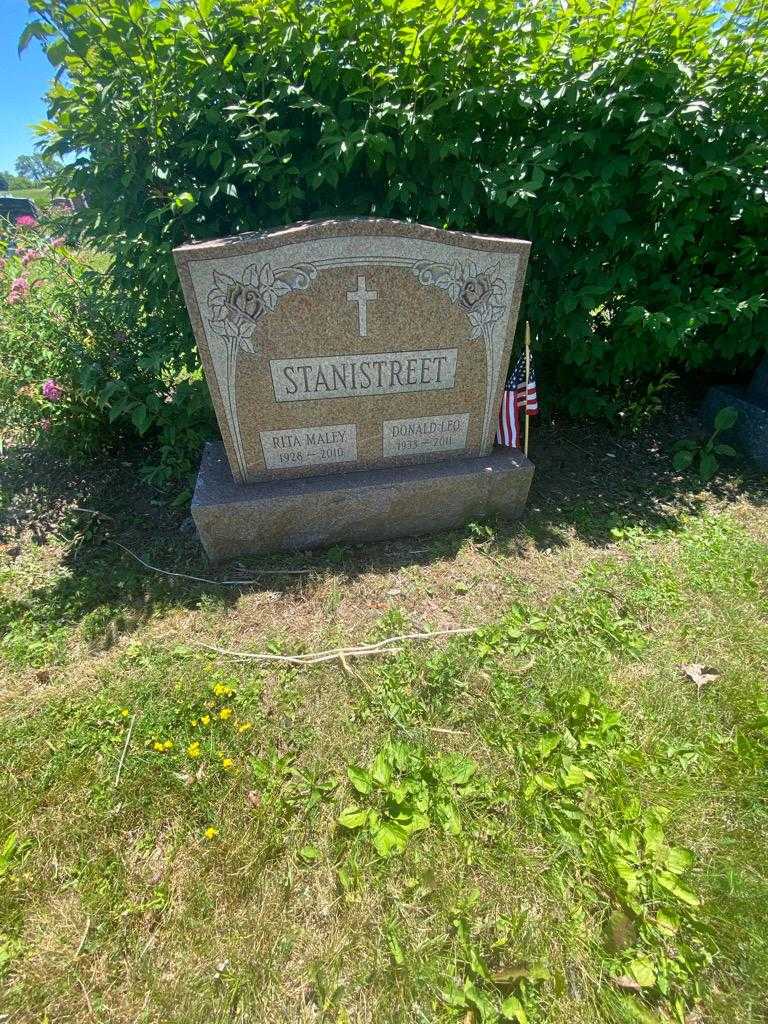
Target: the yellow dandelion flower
pixel 194 749
pixel 225 713
pixel 157 745
pixel 193 722
pixel 168 745
pixel 211 833
pixel 244 726
pixel 124 712
pixel 221 690
pixel 205 720
pixel 227 762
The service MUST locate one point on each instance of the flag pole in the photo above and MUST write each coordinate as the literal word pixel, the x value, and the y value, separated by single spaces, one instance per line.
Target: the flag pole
pixel 527 378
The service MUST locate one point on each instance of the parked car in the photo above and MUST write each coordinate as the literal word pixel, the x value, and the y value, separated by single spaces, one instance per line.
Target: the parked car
pixel 13 207
pixel 63 205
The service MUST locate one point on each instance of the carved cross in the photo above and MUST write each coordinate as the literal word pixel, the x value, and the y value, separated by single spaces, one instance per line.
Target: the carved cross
pixel 362 298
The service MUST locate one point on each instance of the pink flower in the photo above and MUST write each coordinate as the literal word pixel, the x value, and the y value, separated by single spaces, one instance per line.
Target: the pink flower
pixel 57 243
pixel 19 288
pixel 51 390
pixel 28 256
pixel 45 424
pixel 26 221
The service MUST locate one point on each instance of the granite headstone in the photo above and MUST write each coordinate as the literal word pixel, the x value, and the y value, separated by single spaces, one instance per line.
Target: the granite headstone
pixel 336 347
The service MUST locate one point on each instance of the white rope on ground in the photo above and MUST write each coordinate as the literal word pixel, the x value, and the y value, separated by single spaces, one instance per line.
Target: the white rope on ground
pixel 339 653
pixel 202 579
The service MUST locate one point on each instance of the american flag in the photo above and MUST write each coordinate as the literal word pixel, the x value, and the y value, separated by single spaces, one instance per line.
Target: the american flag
pixel 517 398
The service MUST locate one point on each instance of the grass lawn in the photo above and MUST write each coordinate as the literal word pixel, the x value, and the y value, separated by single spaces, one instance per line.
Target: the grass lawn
pixel 545 820
pixel 41 196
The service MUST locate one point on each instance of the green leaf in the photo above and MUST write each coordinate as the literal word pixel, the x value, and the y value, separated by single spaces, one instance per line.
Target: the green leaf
pixel 512 1009
pixel 309 854
pixel 547 744
pixel 743 744
pixel 480 1002
pixel 707 466
pixel 390 838
pixel 642 971
pixel 360 779
pixel 34 30
pixel 626 873
pixel 381 771
pixel 7 852
pixel 669 882
pixel 682 460
pixel 352 817
pixel 678 860
pixel 184 201
pixel 456 769
pixel 725 449
pixel 447 814
pixel 415 822
pixel 667 921
pixel 395 949
pixel 653 834
pixel 230 57
pixel 452 995
pixel 545 781
pixel 638 1012
pixel 140 418
pixel 57 51
pixel 574 776
pixel 726 418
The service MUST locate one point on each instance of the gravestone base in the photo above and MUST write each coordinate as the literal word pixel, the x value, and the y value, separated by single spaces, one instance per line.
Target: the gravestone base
pixel 750 433
pixel 351 508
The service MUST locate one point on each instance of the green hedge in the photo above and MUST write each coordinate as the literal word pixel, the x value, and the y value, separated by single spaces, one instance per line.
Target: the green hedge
pixel 627 140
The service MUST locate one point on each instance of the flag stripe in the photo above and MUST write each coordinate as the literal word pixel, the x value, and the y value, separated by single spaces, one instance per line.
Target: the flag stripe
pixel 518 397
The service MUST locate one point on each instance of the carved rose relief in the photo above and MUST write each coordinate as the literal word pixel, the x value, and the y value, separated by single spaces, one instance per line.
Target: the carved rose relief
pixel 479 294
pixel 243 301
pixel 236 305
pixel 475 291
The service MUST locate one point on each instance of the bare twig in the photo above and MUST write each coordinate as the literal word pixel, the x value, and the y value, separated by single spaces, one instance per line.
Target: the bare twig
pixel 448 732
pixel 316 658
pixel 87 999
pixel 85 936
pixel 92 511
pixel 339 653
pixel 201 579
pixel 125 749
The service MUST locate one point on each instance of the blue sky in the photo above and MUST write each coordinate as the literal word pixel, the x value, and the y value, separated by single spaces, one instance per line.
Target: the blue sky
pixel 22 84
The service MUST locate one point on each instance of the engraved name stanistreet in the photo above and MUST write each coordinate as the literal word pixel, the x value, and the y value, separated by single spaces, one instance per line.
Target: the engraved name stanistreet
pixel 359 376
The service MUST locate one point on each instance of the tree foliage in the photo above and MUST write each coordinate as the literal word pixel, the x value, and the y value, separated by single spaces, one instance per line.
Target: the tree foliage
pixel 36 168
pixel 626 139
